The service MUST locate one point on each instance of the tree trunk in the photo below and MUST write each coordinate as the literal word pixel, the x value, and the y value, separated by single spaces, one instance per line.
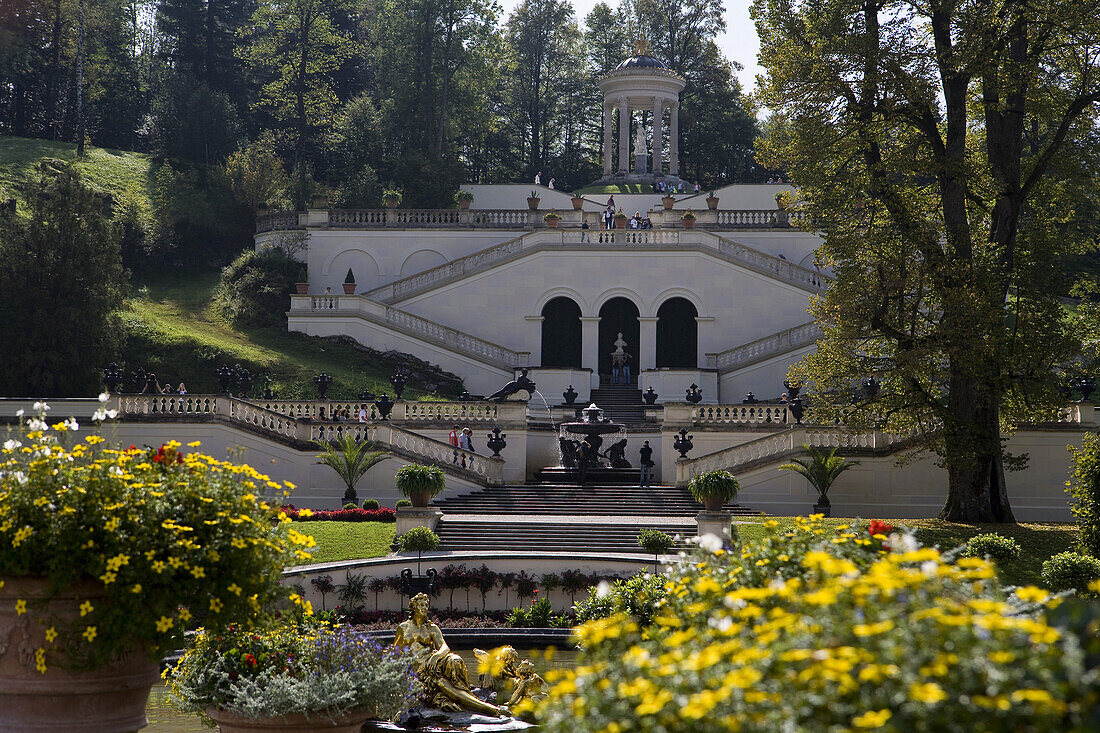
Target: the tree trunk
pixel 80 82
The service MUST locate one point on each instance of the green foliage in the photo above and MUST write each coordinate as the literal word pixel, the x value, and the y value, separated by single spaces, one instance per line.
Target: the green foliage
pixel 350 505
pixel 418 539
pixel 821 469
pixel 255 288
pixel 992 545
pixel 402 503
pixel 393 196
pixel 463 195
pixel 61 278
pixel 539 615
pixel 1084 487
pixel 193 122
pixel 350 277
pixel 415 478
pixel 198 221
pixel 714 484
pixel 639 597
pixel 256 175
pixel 350 459
pixel 654 541
pixel 356 147
pixel 291 669
pixel 370 504
pixel 1071 571
pixel 353 592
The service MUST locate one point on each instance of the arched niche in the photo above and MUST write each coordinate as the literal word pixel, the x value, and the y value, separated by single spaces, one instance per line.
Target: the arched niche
pixel 618 315
pixel 677 334
pixel 362 266
pixel 421 260
pixel 561 333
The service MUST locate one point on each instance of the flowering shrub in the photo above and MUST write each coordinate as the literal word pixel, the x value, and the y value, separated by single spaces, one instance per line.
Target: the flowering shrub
pixel 817 630
pixel 637 597
pixel 1071 571
pixel 340 515
pixel 152 541
pixel 305 668
pixel 992 545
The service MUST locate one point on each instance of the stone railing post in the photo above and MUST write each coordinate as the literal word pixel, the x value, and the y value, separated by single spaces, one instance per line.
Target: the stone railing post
pixel 683 471
pixel 715 523
pixel 677 413
pixel 494 472
pixel 464 217
pixel 410 517
pixel 316 218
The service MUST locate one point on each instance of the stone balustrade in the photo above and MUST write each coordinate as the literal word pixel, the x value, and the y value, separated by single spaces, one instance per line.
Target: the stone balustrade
pixel 775 265
pixel 763 348
pixel 168 404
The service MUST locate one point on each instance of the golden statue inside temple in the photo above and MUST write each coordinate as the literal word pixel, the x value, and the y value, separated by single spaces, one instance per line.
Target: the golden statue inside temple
pixel 442 672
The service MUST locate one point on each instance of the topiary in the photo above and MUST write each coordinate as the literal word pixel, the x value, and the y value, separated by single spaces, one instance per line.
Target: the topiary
pixel 370 504
pixel 418 540
pixel 655 542
pixel 992 545
pixel 1085 490
pixel 350 505
pixel 402 502
pixel 1071 571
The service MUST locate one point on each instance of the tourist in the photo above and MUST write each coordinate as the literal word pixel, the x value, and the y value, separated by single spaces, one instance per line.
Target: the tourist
pixel 681 187
pixel 647 223
pixel 609 217
pixel 616 366
pixel 341 416
pixel 551 184
pixel 625 367
pixel 646 462
pixel 783 398
pixel 166 389
pixel 636 220
pixel 697 187
pixel 584 233
pixel 362 413
pixel 466 443
pixel 538 178
pixel 452 438
pixel 611 202
pixel 181 391
pixel 321 413
pixel 584 455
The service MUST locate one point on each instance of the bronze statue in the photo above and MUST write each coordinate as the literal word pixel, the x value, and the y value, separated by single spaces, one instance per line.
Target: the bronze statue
pixel 443 673
pixel 616 454
pixel 522 383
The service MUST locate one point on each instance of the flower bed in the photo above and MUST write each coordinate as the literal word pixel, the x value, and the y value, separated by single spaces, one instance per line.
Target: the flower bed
pixel 340 515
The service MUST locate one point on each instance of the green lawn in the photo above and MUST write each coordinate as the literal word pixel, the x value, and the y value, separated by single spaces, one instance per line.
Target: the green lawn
pixel 173 330
pixel 348 540
pixel 112 171
pixel 1039 541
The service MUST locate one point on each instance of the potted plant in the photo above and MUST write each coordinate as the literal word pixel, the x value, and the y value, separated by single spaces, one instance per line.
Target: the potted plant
pixel 668 200
pixel 391 198
pixel 130 547
pixel 714 488
pixel 821 469
pixel 655 542
pixel 688 218
pixel 620 219
pixel 533 201
pixel 319 201
pixel 463 198
pixel 351 459
pixel 577 201
pixel 712 201
pixel 302 288
pixel 781 200
pixel 420 483
pixel 552 219
pixel 299 675
pixel 418 540
pixel 349 283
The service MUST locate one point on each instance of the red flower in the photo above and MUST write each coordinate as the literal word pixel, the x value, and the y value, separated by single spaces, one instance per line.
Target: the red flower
pixel 877 526
pixel 250 660
pixel 536 591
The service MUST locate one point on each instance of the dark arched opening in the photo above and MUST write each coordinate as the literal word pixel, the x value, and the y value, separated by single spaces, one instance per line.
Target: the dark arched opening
pixel 677 334
pixel 618 315
pixel 561 334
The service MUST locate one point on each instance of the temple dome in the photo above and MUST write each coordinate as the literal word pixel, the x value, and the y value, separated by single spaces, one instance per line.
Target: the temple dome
pixel 640 61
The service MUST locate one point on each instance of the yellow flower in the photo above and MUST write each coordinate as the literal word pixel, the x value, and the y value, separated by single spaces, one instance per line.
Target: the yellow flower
pixel 1031 594
pixel 20 607
pixel 89 633
pixel 136 588
pixel 194 444
pixel 40 660
pixel 164 624
pixel 928 692
pixel 51 634
pixel 159 566
pixel 85 608
pixel 116 563
pixel 235 589
pixel 872 719
pixel 872 629
pixel 198 572
pixel 184 614
pixel 215 605
pixel 108 578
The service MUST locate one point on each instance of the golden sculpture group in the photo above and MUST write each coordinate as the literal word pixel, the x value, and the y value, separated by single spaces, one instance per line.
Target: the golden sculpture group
pixel 444 675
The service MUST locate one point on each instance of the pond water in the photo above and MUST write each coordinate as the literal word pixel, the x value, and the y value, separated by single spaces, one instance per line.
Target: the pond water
pixel 164 719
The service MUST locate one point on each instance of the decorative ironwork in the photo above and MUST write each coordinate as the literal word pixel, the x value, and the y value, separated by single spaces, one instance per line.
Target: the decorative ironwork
pixel 497 442
pixel 682 443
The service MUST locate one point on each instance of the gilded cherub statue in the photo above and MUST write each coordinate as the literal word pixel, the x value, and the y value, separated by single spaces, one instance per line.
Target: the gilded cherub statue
pixel 498 665
pixel 443 673
pixel 528 686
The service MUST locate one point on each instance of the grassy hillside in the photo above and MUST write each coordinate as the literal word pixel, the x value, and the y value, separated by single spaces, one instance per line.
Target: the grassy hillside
pixel 111 171
pixel 173 329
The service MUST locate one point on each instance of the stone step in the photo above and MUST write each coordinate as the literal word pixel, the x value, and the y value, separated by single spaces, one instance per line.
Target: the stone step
pixel 554 537
pixel 571 500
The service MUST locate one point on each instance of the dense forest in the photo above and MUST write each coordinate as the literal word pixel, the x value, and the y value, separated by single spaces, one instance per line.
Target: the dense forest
pixel 284 99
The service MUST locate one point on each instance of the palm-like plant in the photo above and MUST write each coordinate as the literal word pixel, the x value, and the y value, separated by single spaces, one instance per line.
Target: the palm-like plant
pixel 821 469
pixel 351 459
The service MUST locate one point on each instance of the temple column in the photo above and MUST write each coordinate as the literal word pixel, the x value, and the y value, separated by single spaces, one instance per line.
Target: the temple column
pixel 674 140
pixel 624 135
pixel 658 165
pixel 590 346
pixel 647 343
pixel 608 121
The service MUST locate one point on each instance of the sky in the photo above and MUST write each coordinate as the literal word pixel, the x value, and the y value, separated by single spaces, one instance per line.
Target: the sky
pixel 739 42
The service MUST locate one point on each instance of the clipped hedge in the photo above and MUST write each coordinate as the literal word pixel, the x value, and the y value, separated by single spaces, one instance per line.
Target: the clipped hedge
pixel 992 545
pixel 341 515
pixel 1071 571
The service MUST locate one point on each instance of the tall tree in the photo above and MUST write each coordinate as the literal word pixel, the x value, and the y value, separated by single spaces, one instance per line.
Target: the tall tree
pixel 922 137
pixel 61 278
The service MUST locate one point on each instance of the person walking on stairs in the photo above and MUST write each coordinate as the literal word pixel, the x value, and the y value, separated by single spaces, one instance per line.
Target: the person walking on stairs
pixel 645 454
pixel 452 438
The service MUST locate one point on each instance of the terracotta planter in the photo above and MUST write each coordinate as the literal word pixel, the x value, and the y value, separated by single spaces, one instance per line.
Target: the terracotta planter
pixel 713 503
pixel 229 722
pixel 578 202
pixel 420 498
pixel 349 288
pixel 390 203
pixel 668 202
pixel 712 202
pixel 533 203
pixel 110 699
pixel 552 223
pixel 688 223
pixel 464 203
pixel 302 288
pixel 620 223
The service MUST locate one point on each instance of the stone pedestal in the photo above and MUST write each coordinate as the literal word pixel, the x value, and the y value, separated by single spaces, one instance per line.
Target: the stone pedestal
pixel 641 164
pixel 410 517
pixel 715 523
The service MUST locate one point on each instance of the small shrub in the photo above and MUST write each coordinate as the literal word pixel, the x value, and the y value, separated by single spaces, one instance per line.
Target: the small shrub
pixel 1070 571
pixel 255 288
pixel 402 502
pixel 349 505
pixel 370 504
pixel 1085 490
pixel 654 541
pixel 418 540
pixel 638 596
pixel 353 593
pixel 992 545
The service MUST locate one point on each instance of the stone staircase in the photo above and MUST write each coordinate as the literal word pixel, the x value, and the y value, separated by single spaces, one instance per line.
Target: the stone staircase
pixel 556 537
pixel 622 403
pixel 549 500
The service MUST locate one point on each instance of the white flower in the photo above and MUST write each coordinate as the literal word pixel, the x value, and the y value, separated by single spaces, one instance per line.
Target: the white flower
pixel 19 413
pixel 112 414
pixel 903 542
pixel 603 589
pixel 709 542
pixel 930 568
pixel 721 624
pixel 114 471
pixel 35 424
pixel 20 477
pixel 12 444
pixel 103 396
pixel 40 407
pixel 99 415
pixel 777 584
pixel 72 424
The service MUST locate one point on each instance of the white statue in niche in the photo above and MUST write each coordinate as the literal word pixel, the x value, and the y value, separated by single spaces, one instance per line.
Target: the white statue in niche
pixel 639 142
pixel 619 344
